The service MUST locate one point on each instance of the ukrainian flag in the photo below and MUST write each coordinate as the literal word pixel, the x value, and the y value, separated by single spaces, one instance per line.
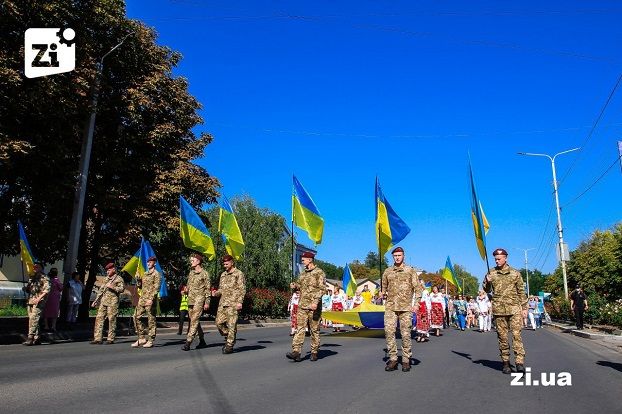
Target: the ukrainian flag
pixel 193 232
pixel 349 282
pixel 390 228
pixel 228 227
pixel 305 214
pixel 131 266
pixel 480 223
pixel 450 275
pixel 28 259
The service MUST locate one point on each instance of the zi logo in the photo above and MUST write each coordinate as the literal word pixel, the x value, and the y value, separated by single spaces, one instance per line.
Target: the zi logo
pixel 49 51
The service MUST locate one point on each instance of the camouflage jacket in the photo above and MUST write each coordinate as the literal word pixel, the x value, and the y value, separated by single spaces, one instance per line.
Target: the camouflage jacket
pixel 401 285
pixel 232 287
pixel 312 285
pixel 508 291
pixel 150 286
pixel 38 284
pixel 112 295
pixel 198 288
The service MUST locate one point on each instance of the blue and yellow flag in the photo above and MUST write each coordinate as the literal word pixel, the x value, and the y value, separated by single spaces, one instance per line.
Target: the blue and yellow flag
pixel 390 228
pixel 349 282
pixel 450 275
pixel 228 227
pixel 146 251
pixel 131 266
pixel 480 223
pixel 28 259
pixel 193 232
pixel 305 214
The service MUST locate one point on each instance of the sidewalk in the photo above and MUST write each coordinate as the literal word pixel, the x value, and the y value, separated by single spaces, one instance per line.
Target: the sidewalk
pixel 13 330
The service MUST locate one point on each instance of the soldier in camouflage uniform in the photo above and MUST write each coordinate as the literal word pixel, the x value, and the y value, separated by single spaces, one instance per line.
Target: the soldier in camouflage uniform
pixel 231 289
pixel 38 288
pixel 312 284
pixel 399 285
pixel 198 300
pixel 147 303
pixel 509 307
pixel 107 302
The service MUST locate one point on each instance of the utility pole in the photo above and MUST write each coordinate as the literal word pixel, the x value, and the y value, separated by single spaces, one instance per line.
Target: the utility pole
pixel 527 266
pixel 560 232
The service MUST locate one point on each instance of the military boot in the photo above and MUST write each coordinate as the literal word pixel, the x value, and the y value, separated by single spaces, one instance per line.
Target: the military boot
pixel 295 356
pixel 202 344
pixel 506 368
pixel 313 356
pixel 405 366
pixel 186 346
pixel 29 342
pixel 520 367
pixel 95 342
pixel 227 350
pixel 391 366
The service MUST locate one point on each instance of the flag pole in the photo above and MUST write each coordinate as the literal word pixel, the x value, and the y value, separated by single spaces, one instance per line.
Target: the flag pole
pixel 293 247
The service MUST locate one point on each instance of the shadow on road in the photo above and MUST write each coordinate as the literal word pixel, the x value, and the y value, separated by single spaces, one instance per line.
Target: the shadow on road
pixel 615 365
pixel 496 365
pixel 248 348
pixel 265 342
pixel 329 345
pixel 321 354
pixel 172 342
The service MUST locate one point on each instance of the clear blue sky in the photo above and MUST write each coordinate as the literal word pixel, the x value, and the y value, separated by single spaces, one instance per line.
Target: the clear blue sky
pixel 339 92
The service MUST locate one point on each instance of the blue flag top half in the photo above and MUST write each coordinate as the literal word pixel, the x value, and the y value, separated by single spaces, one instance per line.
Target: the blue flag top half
pixel 390 228
pixel 349 282
pixel 480 223
pixel 194 233
pixel 28 259
pixel 305 214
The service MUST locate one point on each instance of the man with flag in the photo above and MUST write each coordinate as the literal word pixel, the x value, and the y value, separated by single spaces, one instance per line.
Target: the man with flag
pixel 507 303
pixel 147 303
pixel 312 284
pixel 38 288
pixel 400 285
pixel 231 289
pixel 199 287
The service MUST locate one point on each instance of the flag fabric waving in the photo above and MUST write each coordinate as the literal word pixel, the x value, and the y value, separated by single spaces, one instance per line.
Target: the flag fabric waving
pixel 450 275
pixel 228 227
pixel 193 232
pixel 146 251
pixel 349 282
pixel 390 228
pixel 28 259
pixel 480 223
pixel 305 214
pixel 131 266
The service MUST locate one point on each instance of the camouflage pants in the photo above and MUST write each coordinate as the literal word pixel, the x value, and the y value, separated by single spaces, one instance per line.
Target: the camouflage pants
pixel 390 326
pixel 195 312
pixel 505 324
pixel 313 319
pixel 151 320
pixel 227 323
pixel 34 318
pixel 104 311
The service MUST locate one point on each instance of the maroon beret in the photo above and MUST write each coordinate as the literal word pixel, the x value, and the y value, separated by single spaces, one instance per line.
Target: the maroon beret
pixel 109 266
pixel 499 251
pixel 397 249
pixel 227 258
pixel 197 256
pixel 152 259
pixel 308 255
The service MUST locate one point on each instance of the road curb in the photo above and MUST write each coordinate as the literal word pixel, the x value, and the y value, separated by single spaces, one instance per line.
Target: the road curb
pixel 583 333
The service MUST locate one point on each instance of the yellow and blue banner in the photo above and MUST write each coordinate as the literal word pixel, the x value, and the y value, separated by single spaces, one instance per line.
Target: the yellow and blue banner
pixel 131 266
pixel 480 223
pixel 365 315
pixel 228 227
pixel 146 251
pixel 305 214
pixel 28 259
pixel 193 232
pixel 449 274
pixel 349 282
pixel 390 228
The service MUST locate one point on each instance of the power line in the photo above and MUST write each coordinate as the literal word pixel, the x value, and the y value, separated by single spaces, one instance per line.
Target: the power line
pixel 594 183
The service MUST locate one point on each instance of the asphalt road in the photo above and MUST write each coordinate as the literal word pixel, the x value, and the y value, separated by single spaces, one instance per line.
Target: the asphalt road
pixel 453 373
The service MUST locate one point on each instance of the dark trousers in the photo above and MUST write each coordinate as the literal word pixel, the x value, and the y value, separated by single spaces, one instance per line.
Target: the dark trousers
pixel 183 314
pixel 578 314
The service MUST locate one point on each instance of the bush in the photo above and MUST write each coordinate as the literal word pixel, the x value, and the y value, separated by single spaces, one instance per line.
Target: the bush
pixel 14 310
pixel 265 303
pixel 600 311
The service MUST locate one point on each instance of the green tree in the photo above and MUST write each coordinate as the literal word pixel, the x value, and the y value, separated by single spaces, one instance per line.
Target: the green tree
pixel 536 280
pixel 143 147
pixel 372 262
pixel 332 271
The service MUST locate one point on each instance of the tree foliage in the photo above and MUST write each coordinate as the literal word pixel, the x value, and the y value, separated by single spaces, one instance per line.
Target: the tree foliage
pixel 144 140
pixel 332 271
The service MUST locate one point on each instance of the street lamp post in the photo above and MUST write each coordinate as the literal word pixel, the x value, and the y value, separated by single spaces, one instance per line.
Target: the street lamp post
pixel 85 160
pixel 562 256
pixel 527 267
